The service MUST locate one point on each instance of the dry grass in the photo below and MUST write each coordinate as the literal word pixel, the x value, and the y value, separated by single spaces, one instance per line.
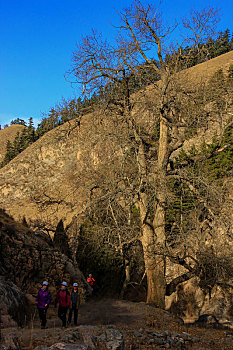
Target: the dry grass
pixel 204 71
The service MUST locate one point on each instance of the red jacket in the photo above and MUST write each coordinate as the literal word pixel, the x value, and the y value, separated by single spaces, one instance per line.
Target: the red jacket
pixel 63 298
pixel 91 281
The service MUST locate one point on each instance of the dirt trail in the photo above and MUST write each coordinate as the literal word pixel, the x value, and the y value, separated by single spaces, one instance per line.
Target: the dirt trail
pixel 128 318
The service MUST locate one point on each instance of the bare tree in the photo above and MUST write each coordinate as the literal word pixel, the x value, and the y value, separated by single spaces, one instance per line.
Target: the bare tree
pixel 96 63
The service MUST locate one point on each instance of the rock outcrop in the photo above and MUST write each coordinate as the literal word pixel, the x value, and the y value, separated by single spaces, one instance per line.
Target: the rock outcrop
pixel 27 260
pixel 190 301
pixel 42 183
pixel 14 306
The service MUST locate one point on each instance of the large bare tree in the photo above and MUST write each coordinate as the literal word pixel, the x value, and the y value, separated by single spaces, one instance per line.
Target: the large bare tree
pixel 142 42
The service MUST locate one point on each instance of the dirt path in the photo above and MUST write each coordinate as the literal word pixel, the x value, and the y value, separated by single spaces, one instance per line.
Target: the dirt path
pixel 101 312
pixel 129 318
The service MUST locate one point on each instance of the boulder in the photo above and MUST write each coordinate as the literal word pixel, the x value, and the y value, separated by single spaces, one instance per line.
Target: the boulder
pixel 207 319
pixel 15 308
pixel 113 339
pixel 90 340
pixel 190 301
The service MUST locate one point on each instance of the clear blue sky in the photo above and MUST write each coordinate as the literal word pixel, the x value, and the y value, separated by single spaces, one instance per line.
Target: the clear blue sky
pixel 37 38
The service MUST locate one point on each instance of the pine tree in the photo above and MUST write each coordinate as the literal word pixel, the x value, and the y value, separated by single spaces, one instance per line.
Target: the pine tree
pixel 31 134
pixel 10 152
pixel 222 44
pixel 231 43
pixel 48 123
pixel 18 121
pixel 17 144
pixel 23 143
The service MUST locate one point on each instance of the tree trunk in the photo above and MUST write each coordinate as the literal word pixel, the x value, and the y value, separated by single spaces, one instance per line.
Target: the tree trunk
pixel 127 278
pixel 154 262
pixel 153 234
pixel 156 286
pixel 154 267
pixel 159 217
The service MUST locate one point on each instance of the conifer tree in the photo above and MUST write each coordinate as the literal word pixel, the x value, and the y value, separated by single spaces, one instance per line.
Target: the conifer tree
pixel 31 135
pixel 10 153
pixel 17 144
pixel 18 121
pixel 222 44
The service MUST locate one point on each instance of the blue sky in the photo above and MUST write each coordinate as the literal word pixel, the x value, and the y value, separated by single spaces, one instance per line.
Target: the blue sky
pixel 37 38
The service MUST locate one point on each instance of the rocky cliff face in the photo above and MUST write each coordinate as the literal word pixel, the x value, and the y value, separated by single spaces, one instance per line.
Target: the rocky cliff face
pixel 27 259
pixel 53 178
pixel 37 183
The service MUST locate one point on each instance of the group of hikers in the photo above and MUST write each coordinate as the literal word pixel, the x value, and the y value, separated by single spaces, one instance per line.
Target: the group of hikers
pixel 64 299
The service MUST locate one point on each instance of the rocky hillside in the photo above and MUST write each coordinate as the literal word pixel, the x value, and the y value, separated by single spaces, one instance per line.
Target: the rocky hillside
pixel 6 134
pixel 53 178
pixel 41 179
pixel 60 176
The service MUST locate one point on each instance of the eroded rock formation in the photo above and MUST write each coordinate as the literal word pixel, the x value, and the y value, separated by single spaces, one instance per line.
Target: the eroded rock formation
pixel 26 260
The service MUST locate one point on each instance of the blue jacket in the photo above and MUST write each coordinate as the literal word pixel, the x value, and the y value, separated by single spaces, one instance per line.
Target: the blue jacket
pixel 75 298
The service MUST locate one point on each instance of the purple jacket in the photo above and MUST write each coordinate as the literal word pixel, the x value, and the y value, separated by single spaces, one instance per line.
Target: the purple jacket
pixel 43 297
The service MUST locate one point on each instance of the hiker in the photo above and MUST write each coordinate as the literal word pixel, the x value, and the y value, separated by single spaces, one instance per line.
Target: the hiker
pixel 75 302
pixel 63 298
pixel 90 280
pixel 43 300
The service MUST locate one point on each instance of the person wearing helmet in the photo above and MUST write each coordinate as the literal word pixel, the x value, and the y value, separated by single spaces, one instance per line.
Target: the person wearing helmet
pixel 75 302
pixel 63 298
pixel 43 300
